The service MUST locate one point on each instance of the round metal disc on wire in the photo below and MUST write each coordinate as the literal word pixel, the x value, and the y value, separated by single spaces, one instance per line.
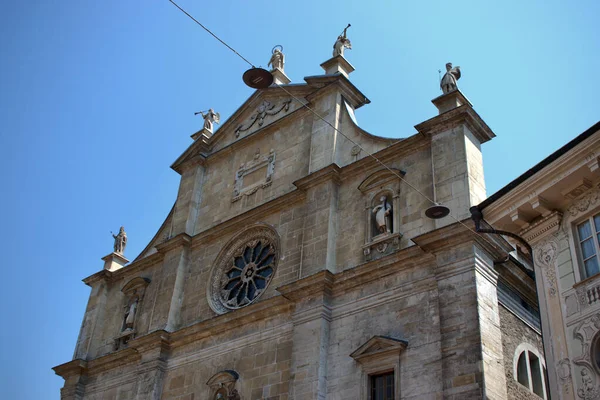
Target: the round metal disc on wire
pixel 258 78
pixel 437 212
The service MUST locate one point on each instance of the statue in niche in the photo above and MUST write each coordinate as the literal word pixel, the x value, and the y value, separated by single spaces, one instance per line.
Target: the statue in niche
pixel 277 60
pixel 210 118
pixel 120 241
pixel 383 215
pixel 448 82
pixel 129 317
pixel 342 43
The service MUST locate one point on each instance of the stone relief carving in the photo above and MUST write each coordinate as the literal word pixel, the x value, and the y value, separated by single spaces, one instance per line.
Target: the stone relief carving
pixel 583 203
pixel 588 390
pixel 222 385
pixel 546 253
pixel 244 269
pixel 587 333
pixel 264 109
pixel 563 370
pixel 245 169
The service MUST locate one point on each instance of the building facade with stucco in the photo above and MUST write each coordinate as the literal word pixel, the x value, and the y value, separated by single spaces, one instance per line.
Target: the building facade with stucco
pixel 294 265
pixel 555 206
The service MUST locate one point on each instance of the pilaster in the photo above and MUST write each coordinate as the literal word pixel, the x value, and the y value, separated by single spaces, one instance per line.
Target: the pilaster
pixel 311 320
pixel 74 374
pixel 471 339
pixel 154 351
pixel 167 310
pixel 457 165
pixel 188 198
pixel 320 220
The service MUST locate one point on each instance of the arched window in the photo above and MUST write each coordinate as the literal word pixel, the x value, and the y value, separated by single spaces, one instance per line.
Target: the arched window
pixel 530 370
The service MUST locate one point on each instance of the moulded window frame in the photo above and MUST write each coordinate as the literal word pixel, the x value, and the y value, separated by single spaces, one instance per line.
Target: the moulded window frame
pixel 528 348
pixel 588 217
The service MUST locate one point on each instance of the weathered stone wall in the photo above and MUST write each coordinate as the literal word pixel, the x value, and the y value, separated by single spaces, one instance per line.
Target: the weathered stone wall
pixel 291 145
pixel 515 332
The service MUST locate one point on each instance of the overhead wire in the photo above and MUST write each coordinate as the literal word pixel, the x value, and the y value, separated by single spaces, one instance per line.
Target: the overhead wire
pixel 302 103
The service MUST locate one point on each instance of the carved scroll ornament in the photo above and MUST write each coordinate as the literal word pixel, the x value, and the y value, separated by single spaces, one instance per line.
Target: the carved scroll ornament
pixel 264 109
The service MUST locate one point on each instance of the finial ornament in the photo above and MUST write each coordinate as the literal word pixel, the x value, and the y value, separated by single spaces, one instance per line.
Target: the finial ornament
pixel 210 118
pixel 448 82
pixel 120 241
pixel 342 43
pixel 277 60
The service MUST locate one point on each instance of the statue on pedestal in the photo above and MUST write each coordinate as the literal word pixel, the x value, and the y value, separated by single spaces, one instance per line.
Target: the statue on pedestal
pixel 383 213
pixel 342 43
pixel 130 314
pixel 448 82
pixel 277 60
pixel 120 241
pixel 210 118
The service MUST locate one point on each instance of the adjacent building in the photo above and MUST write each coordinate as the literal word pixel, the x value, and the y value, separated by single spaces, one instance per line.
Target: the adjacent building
pixel 555 206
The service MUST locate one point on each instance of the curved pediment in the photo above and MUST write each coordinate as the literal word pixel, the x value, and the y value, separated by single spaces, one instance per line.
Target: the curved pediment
pixel 380 178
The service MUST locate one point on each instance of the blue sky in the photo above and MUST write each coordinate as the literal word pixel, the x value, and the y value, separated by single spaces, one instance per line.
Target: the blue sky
pixel 97 99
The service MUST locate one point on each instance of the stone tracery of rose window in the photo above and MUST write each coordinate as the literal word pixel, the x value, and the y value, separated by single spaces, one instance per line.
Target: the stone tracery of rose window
pixel 244 269
pixel 248 274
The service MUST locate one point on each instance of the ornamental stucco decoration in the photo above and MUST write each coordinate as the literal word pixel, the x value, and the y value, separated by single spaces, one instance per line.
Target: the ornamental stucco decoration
pixel 546 254
pixel 266 108
pixel 583 203
pixel 244 269
pixel 587 333
pixel 266 162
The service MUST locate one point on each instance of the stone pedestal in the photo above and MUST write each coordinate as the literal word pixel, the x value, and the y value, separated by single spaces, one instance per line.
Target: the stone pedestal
pixel 279 77
pixel 450 101
pixel 202 133
pixel 114 261
pixel 337 64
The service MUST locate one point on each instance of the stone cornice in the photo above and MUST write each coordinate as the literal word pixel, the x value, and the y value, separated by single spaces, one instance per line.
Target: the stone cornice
pixel 347 88
pixel 103 275
pixel 261 310
pixel 71 368
pixel 328 173
pixel 112 360
pixel 463 114
pixel 256 135
pixel 455 234
pixel 157 340
pixel 549 176
pixel 319 283
pixel 248 216
pixel 542 228
pixel 394 152
pixel 181 240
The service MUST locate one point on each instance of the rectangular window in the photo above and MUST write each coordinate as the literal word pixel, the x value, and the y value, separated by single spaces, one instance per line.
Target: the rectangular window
pixel 382 386
pixel 589 235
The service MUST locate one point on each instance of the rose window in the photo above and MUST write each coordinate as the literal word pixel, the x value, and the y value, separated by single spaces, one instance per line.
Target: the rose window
pixel 244 269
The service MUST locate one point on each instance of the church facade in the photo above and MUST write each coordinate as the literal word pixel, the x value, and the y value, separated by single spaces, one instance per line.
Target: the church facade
pixel 295 265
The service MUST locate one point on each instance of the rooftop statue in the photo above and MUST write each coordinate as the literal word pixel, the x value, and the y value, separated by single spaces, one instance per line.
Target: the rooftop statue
pixel 277 60
pixel 120 241
pixel 448 82
pixel 342 43
pixel 210 118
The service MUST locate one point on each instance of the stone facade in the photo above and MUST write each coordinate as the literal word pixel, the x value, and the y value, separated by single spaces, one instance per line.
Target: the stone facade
pixel 270 280
pixel 545 206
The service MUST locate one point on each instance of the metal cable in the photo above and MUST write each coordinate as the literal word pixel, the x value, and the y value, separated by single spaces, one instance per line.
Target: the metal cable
pixel 337 130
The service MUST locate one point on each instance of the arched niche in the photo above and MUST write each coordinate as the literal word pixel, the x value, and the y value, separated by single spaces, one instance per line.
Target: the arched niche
pixel 222 385
pixel 133 292
pixel 381 192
